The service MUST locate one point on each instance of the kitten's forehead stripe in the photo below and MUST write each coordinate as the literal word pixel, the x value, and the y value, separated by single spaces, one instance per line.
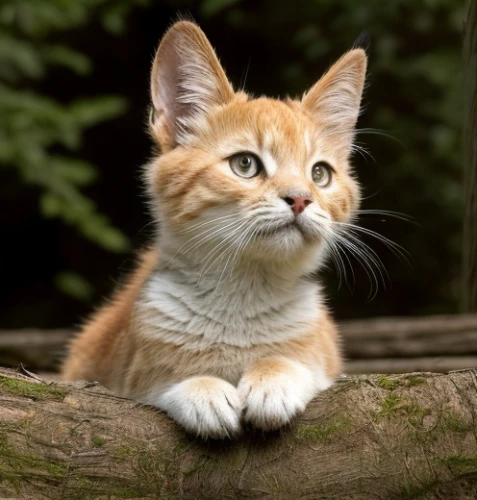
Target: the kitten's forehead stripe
pixel 307 141
pixel 269 163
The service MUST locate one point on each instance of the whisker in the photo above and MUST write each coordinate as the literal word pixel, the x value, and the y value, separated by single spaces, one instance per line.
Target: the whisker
pixel 372 255
pixel 340 265
pixel 242 245
pixel 206 235
pixel 387 213
pixel 210 257
pixel 396 249
pixel 369 260
pixel 201 224
pixel 362 151
pixel 344 268
pixel 376 131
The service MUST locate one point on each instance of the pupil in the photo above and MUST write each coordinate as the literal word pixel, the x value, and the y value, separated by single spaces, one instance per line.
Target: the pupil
pixel 319 172
pixel 245 161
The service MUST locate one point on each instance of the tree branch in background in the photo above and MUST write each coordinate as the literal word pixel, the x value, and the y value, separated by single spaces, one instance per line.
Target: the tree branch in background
pixel 379 345
pixel 469 278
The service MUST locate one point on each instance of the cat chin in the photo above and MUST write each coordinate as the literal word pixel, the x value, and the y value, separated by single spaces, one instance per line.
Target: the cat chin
pixel 290 249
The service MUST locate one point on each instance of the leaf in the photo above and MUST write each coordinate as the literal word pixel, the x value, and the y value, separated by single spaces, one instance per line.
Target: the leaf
pixel 94 110
pixel 61 55
pixel 50 205
pixel 78 172
pixel 19 58
pixel 74 285
pixel 98 229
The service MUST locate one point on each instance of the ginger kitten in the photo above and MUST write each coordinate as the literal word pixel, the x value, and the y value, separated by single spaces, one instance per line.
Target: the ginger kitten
pixel 220 322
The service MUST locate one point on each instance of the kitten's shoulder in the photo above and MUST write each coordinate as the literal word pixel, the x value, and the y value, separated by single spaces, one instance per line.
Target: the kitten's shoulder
pixel 92 353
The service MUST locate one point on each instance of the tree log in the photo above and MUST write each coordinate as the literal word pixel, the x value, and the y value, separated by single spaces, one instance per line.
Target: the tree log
pixel 407 337
pixel 440 364
pixel 469 276
pixel 35 348
pixel 392 345
pixel 368 437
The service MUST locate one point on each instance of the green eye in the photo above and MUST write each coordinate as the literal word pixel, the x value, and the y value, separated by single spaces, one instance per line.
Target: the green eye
pixel 322 173
pixel 245 165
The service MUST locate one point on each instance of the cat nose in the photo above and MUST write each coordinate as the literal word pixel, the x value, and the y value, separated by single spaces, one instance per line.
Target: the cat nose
pixel 298 202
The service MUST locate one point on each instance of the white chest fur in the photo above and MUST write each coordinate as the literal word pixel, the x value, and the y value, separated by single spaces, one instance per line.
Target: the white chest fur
pixel 247 309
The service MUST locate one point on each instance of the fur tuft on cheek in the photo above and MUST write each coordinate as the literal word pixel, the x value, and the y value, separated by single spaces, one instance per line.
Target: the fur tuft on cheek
pixel 186 183
pixel 346 202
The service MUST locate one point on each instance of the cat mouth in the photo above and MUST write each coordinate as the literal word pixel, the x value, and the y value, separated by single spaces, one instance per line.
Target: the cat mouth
pixel 288 227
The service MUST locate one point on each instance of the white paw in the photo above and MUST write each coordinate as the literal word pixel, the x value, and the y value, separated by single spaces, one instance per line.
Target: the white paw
pixel 273 400
pixel 272 403
pixel 206 406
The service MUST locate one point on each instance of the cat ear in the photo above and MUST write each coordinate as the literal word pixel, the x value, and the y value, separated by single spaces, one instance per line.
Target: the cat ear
pixel 187 80
pixel 334 101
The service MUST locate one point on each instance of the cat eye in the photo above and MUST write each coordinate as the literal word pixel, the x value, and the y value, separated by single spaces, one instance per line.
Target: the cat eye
pixel 322 173
pixel 245 165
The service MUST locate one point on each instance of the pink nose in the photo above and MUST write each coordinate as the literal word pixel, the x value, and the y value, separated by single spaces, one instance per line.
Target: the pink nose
pixel 298 203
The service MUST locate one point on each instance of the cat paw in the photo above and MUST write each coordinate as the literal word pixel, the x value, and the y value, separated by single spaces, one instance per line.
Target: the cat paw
pixel 208 407
pixel 272 399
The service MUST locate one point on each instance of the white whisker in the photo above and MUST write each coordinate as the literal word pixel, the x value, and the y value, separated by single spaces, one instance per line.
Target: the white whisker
pixel 396 249
pixel 210 256
pixel 386 213
pixel 201 224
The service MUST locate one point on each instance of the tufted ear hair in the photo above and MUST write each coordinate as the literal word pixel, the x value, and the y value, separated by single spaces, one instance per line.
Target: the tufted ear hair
pixel 187 81
pixel 334 101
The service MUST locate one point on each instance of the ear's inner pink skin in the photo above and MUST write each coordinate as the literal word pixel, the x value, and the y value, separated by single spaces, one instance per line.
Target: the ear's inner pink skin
pixel 220 321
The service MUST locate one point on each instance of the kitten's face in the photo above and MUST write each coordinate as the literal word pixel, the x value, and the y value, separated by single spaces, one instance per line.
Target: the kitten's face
pixel 259 178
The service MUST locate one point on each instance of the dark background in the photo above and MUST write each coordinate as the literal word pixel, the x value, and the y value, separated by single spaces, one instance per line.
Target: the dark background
pixel 73 111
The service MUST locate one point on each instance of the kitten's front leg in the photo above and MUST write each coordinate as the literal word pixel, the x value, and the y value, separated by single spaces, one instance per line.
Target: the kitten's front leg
pixel 205 406
pixel 274 390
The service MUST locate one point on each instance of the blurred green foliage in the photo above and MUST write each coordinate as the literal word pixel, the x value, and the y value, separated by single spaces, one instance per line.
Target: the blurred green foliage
pixel 40 137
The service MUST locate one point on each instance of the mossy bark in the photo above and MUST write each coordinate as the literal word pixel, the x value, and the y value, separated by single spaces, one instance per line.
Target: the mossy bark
pixel 381 437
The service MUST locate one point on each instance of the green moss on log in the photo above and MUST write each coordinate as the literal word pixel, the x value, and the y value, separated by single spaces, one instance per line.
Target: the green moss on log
pixel 98 441
pixel 413 380
pixel 33 390
pixel 389 406
pixel 124 451
pixel 312 433
pixel 413 491
pixel 386 383
pixel 461 464
pixel 455 422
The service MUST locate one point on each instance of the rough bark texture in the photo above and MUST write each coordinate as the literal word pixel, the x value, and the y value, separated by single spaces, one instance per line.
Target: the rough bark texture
pixel 469 295
pixel 369 437
pixel 380 345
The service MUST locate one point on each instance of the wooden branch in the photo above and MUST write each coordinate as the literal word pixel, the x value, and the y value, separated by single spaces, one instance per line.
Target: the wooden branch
pixel 441 364
pixel 37 349
pixel 407 337
pixel 469 277
pixel 380 345
pixel 403 436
